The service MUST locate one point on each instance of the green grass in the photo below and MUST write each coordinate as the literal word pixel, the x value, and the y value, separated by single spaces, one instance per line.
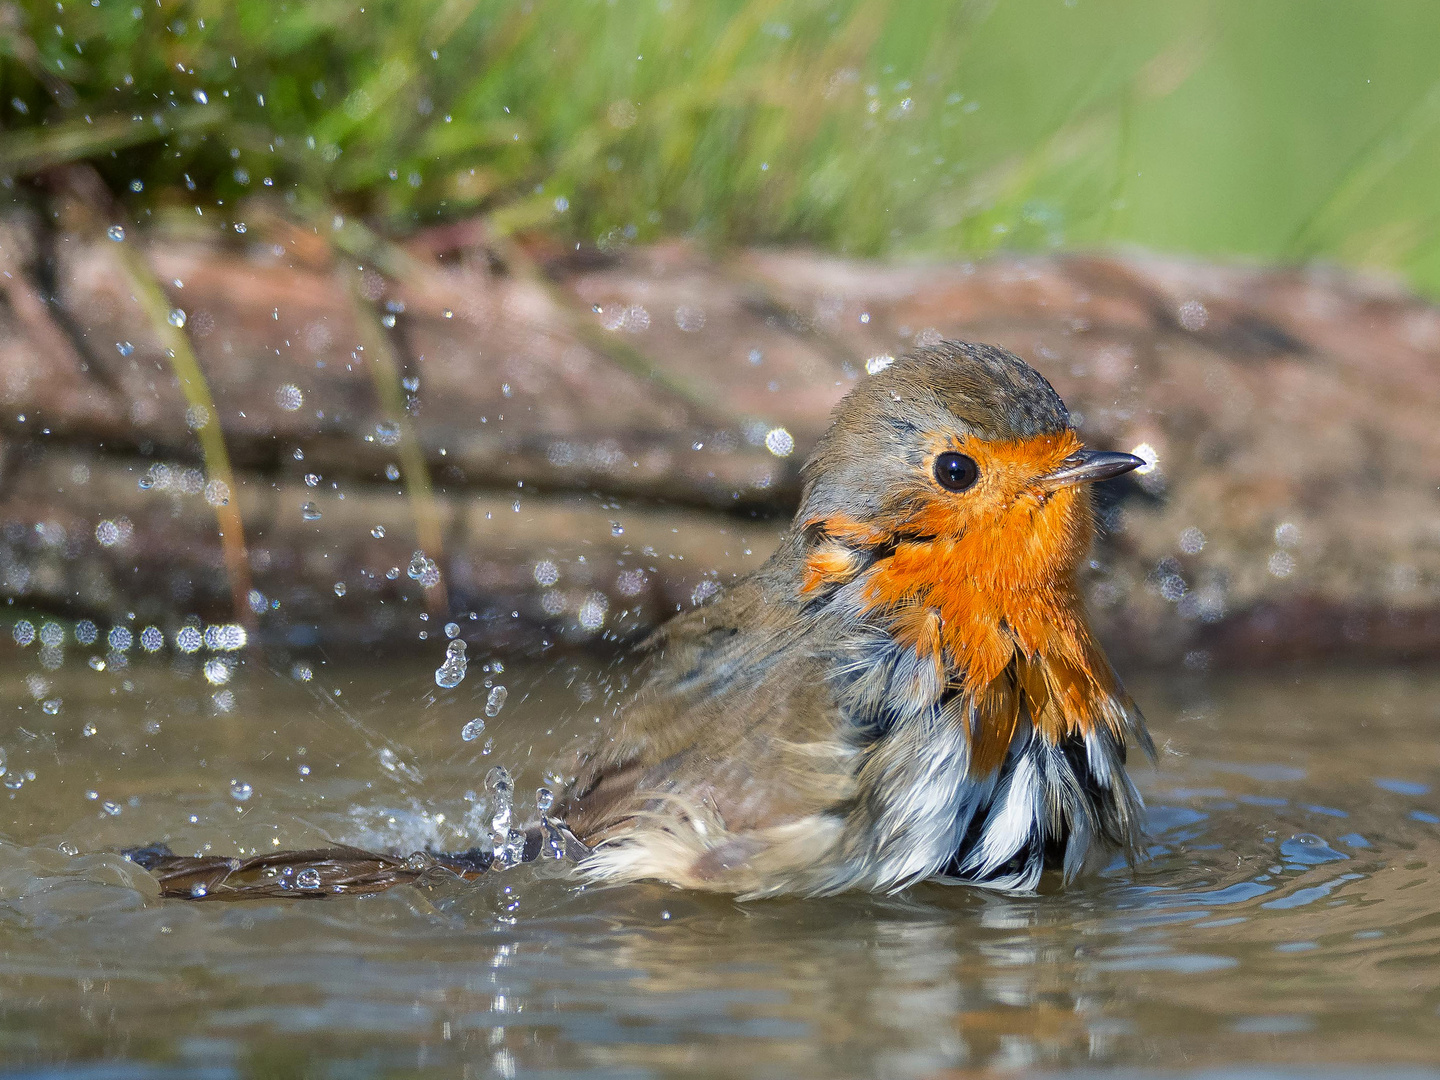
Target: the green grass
pixel 1290 129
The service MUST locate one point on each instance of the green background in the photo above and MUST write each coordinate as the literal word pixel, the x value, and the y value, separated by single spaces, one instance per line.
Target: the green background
pixel 1284 131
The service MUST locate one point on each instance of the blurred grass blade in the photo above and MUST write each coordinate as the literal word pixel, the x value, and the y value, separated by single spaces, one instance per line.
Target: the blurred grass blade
pixel 201 407
pixel 31 150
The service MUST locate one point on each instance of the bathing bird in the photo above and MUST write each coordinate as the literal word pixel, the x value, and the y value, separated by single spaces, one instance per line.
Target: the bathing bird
pixel 907 690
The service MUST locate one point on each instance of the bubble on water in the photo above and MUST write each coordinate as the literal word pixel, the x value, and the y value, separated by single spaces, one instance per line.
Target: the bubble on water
pixel 67 848
pixel 387 433
pixel 339 588
pixel 151 639
pixel 301 671
pixel 378 532
pixel 877 364
pixel 423 570
pixel 546 573
pixel 217 493
pixel 309 511
pixel 779 442
pixel 473 730
pixel 591 614
pixel 120 639
pixel 451 673
pixel 218 671
pixel 116 233
pixel 308 879
pixel 312 479
pixel 188 639
pixel 24 632
pixel 495 700
pixel 392 472
pixel 88 730
pixel 240 791
pixel 289 397
pixel 86 632
pixel 52 706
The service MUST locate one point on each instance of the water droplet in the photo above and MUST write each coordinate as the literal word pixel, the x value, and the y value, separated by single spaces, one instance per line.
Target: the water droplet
pixel 388 320
pixel 877 364
pixel 544 799
pixel 392 472
pixel 116 232
pixel 312 479
pixel 308 879
pixel 387 432
pixel 779 442
pixel 88 730
pixel 448 313
pixel 177 317
pixel 309 511
pixel 392 573
pixel 378 532
pixel 113 809
pixel 423 570
pixel 301 671
pixel 52 706
pixel 289 397
pixel 198 891
pixel 495 700
pixel 124 348
pixel 218 671
pixel 339 588
pixel 389 760
pixel 240 791
pixel 616 529
pixel 473 730
pixel 452 629
pixel 68 848
pixel 452 672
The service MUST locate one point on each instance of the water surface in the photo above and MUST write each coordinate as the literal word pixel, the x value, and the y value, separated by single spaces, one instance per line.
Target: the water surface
pixel 1286 924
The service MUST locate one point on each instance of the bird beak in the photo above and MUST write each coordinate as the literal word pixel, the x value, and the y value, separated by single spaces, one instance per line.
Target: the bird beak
pixel 1088 466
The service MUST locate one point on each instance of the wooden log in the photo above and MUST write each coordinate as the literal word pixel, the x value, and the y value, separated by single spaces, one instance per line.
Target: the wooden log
pixel 633 404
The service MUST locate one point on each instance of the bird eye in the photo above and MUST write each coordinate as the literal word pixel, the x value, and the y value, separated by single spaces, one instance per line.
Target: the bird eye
pixel 956 471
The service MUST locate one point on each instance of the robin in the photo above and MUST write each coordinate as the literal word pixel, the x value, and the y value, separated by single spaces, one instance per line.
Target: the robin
pixel 907 689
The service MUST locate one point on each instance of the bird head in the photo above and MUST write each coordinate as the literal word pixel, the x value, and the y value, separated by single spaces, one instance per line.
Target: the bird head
pixel 949 501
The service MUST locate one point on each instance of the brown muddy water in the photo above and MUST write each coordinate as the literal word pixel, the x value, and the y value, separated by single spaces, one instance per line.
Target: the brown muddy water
pixel 1287 923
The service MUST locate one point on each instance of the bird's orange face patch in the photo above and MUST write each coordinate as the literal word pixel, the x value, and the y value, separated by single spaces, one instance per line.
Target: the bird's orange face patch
pixel 979 577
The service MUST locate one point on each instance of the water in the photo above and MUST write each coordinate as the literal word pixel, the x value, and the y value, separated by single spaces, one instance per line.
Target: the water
pixel 1286 924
